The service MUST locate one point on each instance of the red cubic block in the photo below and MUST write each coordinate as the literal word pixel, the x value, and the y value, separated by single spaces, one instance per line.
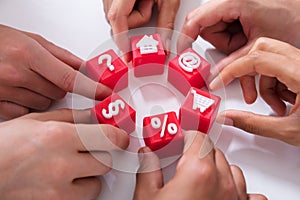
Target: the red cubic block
pixel 148 55
pixel 199 110
pixel 109 69
pixel 115 111
pixel 187 70
pixel 162 134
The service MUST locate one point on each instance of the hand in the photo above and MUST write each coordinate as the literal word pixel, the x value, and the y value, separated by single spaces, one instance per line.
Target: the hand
pixel 34 72
pixel 210 177
pixel 278 65
pixel 229 25
pixel 55 160
pixel 123 15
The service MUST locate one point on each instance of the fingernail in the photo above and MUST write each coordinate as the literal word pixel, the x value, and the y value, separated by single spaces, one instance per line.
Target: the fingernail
pixel 215 84
pixel 224 120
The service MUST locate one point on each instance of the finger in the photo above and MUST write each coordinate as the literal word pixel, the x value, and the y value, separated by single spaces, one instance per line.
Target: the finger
pixel 264 63
pixel 99 138
pixel 256 197
pixel 207 15
pixel 9 110
pixel 87 188
pixel 285 94
pixel 267 126
pixel 67 78
pixel 276 46
pixel 106 6
pixel 249 88
pixel 267 88
pixel 224 172
pixel 63 115
pixel 141 14
pixel 92 164
pixel 60 53
pixel 239 181
pixel 45 87
pixel 24 98
pixel 199 145
pixel 149 177
pixel 118 15
pixel 226 37
pixel 118 19
pixel 167 11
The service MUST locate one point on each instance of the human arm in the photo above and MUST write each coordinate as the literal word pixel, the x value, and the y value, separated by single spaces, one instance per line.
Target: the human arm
pixel 208 177
pixel 35 72
pixel 231 25
pixel 125 15
pixel 56 160
pixel 277 63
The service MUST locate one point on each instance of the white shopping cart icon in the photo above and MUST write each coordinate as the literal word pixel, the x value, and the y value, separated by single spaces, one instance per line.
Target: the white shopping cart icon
pixel 201 102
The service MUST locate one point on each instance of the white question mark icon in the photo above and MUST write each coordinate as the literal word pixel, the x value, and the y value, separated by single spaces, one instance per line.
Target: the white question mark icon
pixel 106 57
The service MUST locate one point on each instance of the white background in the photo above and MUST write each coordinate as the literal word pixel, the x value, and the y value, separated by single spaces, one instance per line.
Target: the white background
pixel 270 167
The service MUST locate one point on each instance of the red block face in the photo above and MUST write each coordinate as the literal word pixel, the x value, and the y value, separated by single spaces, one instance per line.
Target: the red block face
pixel 188 70
pixel 115 111
pixel 109 69
pixel 199 110
pixel 162 133
pixel 148 55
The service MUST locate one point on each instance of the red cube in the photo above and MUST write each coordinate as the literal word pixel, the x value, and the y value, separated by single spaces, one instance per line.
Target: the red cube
pixel 199 110
pixel 188 70
pixel 109 69
pixel 115 111
pixel 162 134
pixel 148 55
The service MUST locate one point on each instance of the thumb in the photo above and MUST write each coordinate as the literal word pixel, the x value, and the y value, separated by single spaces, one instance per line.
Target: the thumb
pixel 167 11
pixel 268 126
pixel 149 177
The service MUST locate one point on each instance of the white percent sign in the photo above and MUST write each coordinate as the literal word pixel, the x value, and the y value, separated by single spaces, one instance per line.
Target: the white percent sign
pixel 156 123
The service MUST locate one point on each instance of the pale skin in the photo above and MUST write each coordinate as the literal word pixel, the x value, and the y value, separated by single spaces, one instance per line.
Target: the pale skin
pixel 124 15
pixel 232 26
pixel 278 66
pixel 35 72
pixel 46 156
pixel 210 177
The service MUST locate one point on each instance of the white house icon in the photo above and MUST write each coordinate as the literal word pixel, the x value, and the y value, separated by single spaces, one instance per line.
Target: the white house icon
pixel 147 45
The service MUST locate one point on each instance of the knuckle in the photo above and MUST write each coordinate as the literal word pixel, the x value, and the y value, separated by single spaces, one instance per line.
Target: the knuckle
pixel 54 135
pixel 112 16
pixel 68 79
pixel 13 76
pixel 261 43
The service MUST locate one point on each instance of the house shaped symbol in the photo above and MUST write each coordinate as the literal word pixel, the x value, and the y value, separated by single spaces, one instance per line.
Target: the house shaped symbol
pixel 147 45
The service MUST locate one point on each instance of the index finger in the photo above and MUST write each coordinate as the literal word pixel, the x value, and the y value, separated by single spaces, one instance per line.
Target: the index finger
pixel 99 137
pixel 264 63
pixel 166 17
pixel 207 15
pixel 66 78
pixel 198 144
pixel 118 19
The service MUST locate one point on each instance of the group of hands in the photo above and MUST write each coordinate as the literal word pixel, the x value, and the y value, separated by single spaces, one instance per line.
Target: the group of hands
pixel 47 155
